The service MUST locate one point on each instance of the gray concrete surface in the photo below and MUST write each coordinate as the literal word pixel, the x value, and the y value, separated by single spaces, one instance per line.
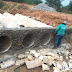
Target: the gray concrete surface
pixel 12 40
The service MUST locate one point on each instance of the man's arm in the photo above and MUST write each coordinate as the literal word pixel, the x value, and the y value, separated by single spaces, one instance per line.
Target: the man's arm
pixel 57 29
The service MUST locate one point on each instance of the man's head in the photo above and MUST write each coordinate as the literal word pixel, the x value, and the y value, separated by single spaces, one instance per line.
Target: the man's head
pixel 65 22
pixel 48 23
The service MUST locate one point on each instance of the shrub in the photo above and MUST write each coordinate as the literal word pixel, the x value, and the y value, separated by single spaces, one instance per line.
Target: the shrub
pixel 1 4
pixel 5 7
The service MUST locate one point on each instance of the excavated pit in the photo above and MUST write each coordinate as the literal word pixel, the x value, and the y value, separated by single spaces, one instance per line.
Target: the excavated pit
pixel 45 39
pixel 28 40
pixel 5 44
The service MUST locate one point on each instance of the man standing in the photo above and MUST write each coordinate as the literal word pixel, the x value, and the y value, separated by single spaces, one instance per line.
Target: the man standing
pixel 60 31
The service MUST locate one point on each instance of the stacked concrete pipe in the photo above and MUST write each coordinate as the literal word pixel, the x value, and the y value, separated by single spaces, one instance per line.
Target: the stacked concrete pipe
pixel 27 38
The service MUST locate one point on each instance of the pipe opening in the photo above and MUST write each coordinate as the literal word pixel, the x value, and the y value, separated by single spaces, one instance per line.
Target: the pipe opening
pixel 5 44
pixel 45 39
pixel 28 40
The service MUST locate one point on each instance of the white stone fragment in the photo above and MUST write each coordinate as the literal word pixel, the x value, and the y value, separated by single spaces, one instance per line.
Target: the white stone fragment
pixel 61 58
pixel 34 53
pixel 7 64
pixel 70 65
pixel 41 57
pixel 20 56
pixel 59 66
pixel 19 62
pixel 51 59
pixel 30 57
pixel 33 63
pixel 45 67
pixel 56 69
pixel 65 66
pixel 67 53
pixel 70 57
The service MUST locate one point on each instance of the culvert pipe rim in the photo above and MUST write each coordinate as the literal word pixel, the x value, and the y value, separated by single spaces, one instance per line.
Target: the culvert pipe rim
pixel 7 48
pixel 45 39
pixel 28 40
pixel 5 43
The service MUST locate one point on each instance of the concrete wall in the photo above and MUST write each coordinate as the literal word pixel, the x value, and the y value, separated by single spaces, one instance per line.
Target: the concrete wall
pixel 26 38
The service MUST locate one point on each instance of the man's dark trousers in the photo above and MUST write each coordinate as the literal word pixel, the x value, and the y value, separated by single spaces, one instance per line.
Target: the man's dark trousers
pixel 58 40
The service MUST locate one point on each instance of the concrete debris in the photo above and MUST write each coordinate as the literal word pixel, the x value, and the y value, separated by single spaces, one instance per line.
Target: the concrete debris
pixel 20 56
pixel 45 67
pixel 59 66
pixel 7 64
pixel 56 69
pixel 70 64
pixel 20 62
pixel 65 66
pixel 33 63
pixel 46 58
pixel 30 57
pixel 34 53
pixel 8 20
pixel 51 59
pixel 41 57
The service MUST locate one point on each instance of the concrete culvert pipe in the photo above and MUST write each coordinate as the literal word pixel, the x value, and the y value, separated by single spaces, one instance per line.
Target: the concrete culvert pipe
pixel 45 39
pixel 28 40
pixel 5 44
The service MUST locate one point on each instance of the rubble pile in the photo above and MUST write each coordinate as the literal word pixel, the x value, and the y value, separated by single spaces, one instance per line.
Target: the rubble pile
pixel 43 6
pixel 8 20
pixel 60 59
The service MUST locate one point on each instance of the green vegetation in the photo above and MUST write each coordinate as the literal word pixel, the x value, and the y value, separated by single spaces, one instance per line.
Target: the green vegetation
pixel 26 1
pixel 68 8
pixel 52 3
pixel 55 4
pixel 58 6
pixel 1 4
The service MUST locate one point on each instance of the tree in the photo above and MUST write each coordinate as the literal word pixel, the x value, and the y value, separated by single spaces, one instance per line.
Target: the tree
pixel 70 5
pixel 27 1
pixel 55 4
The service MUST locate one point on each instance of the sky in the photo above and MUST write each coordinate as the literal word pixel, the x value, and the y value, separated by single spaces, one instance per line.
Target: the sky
pixel 65 2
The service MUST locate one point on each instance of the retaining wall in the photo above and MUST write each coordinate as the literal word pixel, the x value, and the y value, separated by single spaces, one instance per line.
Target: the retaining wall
pixel 26 38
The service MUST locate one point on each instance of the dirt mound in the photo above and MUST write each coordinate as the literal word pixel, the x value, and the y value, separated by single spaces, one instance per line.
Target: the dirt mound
pixel 43 6
pixel 44 16
pixel 55 18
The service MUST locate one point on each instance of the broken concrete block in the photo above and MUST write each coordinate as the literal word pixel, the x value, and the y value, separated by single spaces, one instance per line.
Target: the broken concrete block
pixel 30 57
pixel 7 64
pixel 20 62
pixel 70 57
pixel 45 60
pixel 41 57
pixel 61 58
pixel 59 66
pixel 55 69
pixel 70 65
pixel 33 63
pixel 65 66
pixel 34 53
pixel 20 56
pixel 45 67
pixel 51 59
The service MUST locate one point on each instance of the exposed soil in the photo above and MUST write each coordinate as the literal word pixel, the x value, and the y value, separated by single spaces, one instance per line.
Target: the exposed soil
pixel 24 69
pixel 44 16
pixel 55 18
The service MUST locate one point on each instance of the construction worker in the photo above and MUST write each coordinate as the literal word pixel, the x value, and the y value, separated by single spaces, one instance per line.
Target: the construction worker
pixel 60 31
pixel 48 23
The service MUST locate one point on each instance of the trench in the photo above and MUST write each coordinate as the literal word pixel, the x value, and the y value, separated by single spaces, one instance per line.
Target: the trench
pixel 5 44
